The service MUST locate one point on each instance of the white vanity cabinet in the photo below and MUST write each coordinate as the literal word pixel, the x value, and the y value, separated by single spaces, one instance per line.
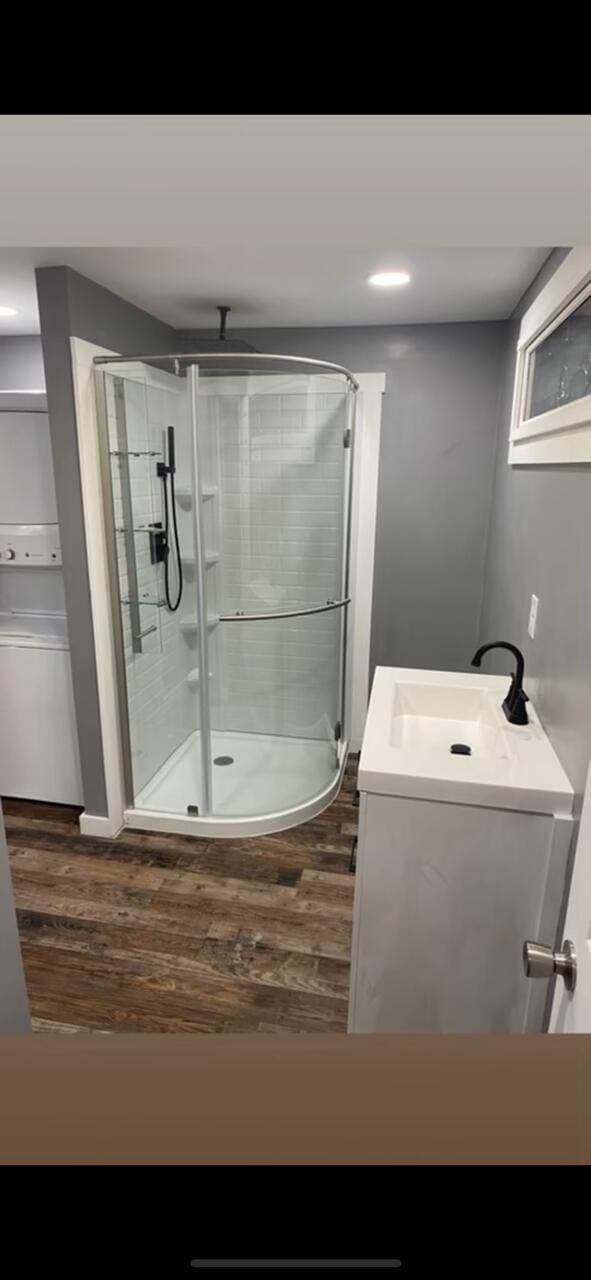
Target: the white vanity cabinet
pixel 460 858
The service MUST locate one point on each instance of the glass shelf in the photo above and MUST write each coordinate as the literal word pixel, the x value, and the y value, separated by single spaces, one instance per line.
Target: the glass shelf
pixel 138 528
pixel 135 453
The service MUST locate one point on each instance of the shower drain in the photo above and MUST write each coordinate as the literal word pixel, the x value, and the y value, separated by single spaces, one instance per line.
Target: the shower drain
pixel 223 760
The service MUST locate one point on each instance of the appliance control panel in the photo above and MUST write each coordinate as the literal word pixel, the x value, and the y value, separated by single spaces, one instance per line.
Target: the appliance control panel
pixel 25 546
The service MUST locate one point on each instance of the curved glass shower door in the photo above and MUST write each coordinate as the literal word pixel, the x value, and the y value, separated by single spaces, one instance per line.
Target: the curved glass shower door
pixel 227 489
pixel 273 453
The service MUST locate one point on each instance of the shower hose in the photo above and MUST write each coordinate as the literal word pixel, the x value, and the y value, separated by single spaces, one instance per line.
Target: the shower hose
pixel 170 517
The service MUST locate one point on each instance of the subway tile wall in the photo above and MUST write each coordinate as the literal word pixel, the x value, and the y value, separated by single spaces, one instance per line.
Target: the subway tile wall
pixel 281 466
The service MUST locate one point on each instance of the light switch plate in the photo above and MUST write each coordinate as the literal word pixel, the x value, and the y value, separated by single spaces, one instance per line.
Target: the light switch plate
pixel 533 617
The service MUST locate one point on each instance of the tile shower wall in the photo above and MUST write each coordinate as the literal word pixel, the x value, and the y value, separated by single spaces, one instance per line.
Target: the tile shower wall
pixel 163 708
pixel 281 513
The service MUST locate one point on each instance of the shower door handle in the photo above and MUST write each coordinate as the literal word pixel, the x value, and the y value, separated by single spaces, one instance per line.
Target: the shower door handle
pixel 289 613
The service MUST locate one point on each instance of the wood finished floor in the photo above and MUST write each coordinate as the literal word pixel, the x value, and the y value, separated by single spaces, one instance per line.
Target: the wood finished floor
pixel 154 932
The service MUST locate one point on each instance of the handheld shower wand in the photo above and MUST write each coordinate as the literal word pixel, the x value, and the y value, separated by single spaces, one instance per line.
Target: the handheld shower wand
pixel 166 471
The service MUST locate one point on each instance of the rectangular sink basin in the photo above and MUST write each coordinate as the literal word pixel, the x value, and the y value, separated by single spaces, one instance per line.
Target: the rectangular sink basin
pixel 433 718
pixel 416 717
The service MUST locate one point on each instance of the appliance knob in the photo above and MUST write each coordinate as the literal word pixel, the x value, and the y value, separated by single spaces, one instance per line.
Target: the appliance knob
pixel 9 554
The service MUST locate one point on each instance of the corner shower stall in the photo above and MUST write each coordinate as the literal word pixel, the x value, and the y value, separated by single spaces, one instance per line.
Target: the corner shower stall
pixel 227 486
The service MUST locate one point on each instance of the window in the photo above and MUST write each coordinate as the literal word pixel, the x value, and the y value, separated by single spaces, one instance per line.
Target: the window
pixel 551 420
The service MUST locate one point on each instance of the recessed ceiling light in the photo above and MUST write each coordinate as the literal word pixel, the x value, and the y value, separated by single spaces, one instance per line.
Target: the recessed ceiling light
pixel 8 311
pixel 389 279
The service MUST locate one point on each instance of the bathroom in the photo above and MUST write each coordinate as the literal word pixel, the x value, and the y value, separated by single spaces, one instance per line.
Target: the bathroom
pixel 326 482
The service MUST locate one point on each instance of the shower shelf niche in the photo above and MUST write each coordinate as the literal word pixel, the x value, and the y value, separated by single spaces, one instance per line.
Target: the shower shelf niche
pixel 210 557
pixel 193 678
pixel 189 628
pixel 184 495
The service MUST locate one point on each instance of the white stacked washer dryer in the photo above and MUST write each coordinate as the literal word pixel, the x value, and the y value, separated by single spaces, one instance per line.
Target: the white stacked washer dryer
pixel 38 739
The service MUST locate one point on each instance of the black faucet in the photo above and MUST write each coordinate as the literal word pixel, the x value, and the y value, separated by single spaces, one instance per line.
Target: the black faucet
pixel 514 704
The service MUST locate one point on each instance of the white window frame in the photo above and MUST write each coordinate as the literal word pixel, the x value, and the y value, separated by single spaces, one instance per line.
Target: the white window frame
pixel 562 435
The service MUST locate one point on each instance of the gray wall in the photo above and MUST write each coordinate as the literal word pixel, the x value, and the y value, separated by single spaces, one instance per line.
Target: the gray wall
pixel 540 542
pixel 439 432
pixel 72 306
pixel 14 1005
pixel 21 364
pixel 446 411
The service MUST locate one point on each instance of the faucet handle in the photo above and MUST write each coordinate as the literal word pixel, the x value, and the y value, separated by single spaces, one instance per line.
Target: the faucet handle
pixel 514 705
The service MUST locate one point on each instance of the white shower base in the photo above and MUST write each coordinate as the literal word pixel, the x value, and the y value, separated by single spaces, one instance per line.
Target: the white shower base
pixel 272 784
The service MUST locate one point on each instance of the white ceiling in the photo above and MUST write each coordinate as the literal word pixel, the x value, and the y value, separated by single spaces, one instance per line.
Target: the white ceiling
pixel 284 216
pixel 284 286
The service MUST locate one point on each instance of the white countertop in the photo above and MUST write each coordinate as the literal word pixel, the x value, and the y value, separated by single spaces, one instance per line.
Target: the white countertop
pixel 414 716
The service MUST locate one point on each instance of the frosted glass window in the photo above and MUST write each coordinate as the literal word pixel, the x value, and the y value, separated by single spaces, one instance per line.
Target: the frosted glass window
pixel 560 367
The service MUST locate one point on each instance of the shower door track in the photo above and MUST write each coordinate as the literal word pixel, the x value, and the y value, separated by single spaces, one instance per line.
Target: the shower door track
pixel 236 826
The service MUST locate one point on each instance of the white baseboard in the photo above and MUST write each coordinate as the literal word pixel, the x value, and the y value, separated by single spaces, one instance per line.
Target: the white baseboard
pixel 104 828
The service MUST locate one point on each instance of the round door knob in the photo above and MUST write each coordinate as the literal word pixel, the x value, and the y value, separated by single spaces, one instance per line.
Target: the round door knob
pixel 542 962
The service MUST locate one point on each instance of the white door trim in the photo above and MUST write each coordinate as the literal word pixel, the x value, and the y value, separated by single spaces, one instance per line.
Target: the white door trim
pixel 363 537
pixel 83 354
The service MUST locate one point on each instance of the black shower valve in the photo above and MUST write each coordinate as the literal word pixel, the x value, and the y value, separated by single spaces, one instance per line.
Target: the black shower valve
pixel 158 544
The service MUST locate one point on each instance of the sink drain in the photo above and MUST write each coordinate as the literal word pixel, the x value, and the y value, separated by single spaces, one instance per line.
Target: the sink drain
pixel 460 749
pixel 223 760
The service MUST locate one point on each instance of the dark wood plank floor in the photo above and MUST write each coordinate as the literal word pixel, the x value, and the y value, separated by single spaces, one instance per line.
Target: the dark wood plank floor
pixel 169 933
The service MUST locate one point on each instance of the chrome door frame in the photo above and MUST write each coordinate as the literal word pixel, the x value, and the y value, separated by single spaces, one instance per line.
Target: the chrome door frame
pixel 201 597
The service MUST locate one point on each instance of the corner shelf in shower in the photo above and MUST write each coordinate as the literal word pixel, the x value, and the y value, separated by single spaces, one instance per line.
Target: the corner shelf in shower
pixel 189 628
pixel 193 678
pixel 184 495
pixel 211 557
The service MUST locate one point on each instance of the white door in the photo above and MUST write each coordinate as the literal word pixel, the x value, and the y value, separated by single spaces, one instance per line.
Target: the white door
pixel 571 1006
